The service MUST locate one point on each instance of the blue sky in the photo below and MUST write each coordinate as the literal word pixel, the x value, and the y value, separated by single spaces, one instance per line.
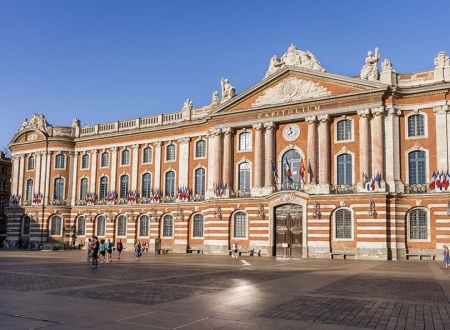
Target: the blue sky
pixel 108 60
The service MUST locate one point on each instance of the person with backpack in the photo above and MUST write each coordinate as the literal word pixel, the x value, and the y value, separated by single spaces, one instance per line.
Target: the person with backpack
pixel 119 248
pixel 109 249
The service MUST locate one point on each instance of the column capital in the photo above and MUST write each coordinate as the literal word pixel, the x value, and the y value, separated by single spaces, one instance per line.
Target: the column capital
pixel 258 126
pixel 158 143
pixel 379 111
pixel 214 132
pixel 184 140
pixel 135 146
pixel 311 119
pixel 269 125
pixel 392 111
pixel 324 118
pixel 228 130
pixel 93 151
pixel 441 109
pixel 364 113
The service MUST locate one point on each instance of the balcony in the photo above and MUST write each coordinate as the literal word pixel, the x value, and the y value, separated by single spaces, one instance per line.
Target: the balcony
pixel 297 186
pixel 420 188
pixel 240 194
pixel 58 202
pixel 343 189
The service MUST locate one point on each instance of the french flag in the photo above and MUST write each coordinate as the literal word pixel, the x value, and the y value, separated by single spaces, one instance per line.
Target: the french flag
pixel 287 171
pixel 433 181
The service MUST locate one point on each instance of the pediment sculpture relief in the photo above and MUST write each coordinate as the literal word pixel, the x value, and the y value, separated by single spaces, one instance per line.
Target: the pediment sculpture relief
pixel 36 121
pixel 290 90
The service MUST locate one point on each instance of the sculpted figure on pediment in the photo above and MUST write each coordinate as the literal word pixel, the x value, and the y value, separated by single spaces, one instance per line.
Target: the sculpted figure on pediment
pixel 369 70
pixel 36 121
pixel 187 105
pixel 24 124
pixel 228 91
pixel 442 60
pixel 275 64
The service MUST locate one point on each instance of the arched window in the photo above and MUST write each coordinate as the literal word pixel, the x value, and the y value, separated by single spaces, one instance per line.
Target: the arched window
pixel 169 184
pixel 60 161
pixel 197 225
pixel 85 161
pixel 167 226
pixel 101 225
pixel 244 170
pixel 56 225
pixel 170 152
pixel 144 225
pixel 146 185
pixel 344 169
pixel 343 224
pixel 26 225
pixel 83 188
pixel 416 125
pixel 29 190
pixel 147 155
pixel 200 149
pixel 104 162
pixel 344 130
pixel 200 182
pixel 245 141
pixel 58 189
pixel 124 181
pixel 417 167
pixel 122 225
pixel 418 224
pixel 103 191
pixel 81 225
pixel 240 225
pixel 31 163
pixel 291 168
pixel 125 159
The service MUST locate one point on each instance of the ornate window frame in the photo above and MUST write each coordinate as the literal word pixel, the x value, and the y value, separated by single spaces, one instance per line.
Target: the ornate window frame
pixel 64 160
pixel 170 169
pixel 343 151
pixel 117 226
pixel 151 154
pixel 425 124
pixel 139 226
pixel 88 161
pixel 194 183
pixel 195 148
pixel 61 233
pixel 238 164
pixel 29 159
pixel 141 181
pixel 232 225
pixel 121 157
pixel 78 225
pixel 192 226
pixel 96 225
pixel 427 162
pixel 101 159
pixel 64 187
pixel 162 226
pixel 408 225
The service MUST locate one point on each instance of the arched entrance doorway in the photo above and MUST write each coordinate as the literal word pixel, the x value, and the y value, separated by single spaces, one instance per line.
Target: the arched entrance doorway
pixel 288 230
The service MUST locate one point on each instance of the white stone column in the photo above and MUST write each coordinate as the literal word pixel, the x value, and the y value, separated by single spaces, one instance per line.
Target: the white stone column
pixel 113 164
pixel 15 175
pixel 440 113
pixel 217 178
pixel 227 174
pixel 21 171
pixel 392 150
pixel 364 144
pixel 311 162
pixel 269 154
pixel 377 134
pixel 211 158
pixel 183 168
pixel 93 163
pixel 73 177
pixel 324 153
pixel 134 167
pixel 43 179
pixel 47 176
pixel 37 173
pixel 157 174
pixel 258 168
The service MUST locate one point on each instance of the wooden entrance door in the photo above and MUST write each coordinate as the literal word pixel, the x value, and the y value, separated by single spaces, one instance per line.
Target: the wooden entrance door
pixel 288 230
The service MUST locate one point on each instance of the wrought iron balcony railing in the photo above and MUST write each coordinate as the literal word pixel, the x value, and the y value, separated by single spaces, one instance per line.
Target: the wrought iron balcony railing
pixel 419 188
pixel 298 186
pixel 240 193
pixel 343 189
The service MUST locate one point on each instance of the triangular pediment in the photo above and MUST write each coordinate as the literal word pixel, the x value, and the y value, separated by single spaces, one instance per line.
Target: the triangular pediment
pixel 296 85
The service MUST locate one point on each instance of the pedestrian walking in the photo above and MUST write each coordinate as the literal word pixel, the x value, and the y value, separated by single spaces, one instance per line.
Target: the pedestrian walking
pixel 89 250
pixel 102 248
pixel 109 249
pixel 446 256
pixel 138 250
pixel 234 251
pixel 94 253
pixel 119 248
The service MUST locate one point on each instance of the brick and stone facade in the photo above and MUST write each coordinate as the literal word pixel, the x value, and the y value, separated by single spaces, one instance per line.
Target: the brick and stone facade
pixel 352 158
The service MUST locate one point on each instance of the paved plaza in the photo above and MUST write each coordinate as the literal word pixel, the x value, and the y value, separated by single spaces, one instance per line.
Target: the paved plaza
pixel 59 290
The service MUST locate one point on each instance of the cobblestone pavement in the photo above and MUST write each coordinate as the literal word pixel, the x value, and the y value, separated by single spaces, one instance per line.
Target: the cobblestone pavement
pixel 59 290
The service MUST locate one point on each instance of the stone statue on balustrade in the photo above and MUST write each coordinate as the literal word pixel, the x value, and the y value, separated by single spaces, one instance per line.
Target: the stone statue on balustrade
pixel 187 105
pixel 228 91
pixel 369 70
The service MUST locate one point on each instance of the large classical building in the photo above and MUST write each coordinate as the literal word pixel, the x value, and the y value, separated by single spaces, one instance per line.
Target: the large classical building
pixel 5 179
pixel 305 162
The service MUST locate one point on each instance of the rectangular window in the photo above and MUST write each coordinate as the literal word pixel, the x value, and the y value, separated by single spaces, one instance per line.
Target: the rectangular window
pixel 240 225
pixel 167 228
pixel 343 224
pixel 344 130
pixel 418 225
pixel 197 230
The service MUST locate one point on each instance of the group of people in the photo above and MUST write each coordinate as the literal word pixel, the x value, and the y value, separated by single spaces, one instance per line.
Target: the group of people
pixel 99 249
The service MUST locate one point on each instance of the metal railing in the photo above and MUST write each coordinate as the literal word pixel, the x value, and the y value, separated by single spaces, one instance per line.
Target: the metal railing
pixel 297 186
pixel 419 188
pixel 343 189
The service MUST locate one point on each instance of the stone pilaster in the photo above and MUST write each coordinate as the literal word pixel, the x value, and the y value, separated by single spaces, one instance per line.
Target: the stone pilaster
pixel 93 163
pixel 227 174
pixel 258 165
pixel 311 162
pixel 48 163
pixel 73 177
pixel 113 165
pixel 364 145
pixel 269 157
pixel 377 133
pixel 442 154
pixel 324 154
pixel 21 173
pixel 392 150
pixel 134 167
pixel 183 170
pixel 15 175
pixel 214 160
pixel 37 175
pixel 157 175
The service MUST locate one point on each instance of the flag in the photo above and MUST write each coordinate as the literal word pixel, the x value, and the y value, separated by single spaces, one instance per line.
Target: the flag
pixel 310 171
pixel 287 171
pixel 433 181
pixel 274 170
pixel 302 170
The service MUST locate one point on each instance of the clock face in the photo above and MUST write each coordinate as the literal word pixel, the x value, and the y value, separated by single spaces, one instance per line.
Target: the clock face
pixel 291 132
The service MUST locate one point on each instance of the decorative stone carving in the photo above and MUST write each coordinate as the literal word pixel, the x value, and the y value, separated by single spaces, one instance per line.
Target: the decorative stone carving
pixel 184 140
pixel 369 70
pixel 290 90
pixel 323 118
pixel 270 125
pixel 287 197
pixel 258 126
pixel 187 105
pixel 364 113
pixel 215 97
pixel 392 111
pixel 76 123
pixel 386 65
pixel 227 130
pixel 441 109
pixel 311 119
pixel 228 91
pixel 36 121
pixel 378 111
pixel 294 57
pixel 442 60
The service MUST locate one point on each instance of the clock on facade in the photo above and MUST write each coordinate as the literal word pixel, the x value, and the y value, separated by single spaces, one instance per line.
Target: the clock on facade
pixel 291 132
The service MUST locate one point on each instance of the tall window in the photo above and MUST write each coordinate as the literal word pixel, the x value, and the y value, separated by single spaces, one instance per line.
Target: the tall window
pixel 245 141
pixel 170 152
pixel 29 190
pixel 344 169
pixel 167 226
pixel 103 187
pixel 125 159
pixel 101 225
pixel 416 125
pixel 417 167
pixel 81 225
pixel 124 181
pixel 200 182
pixel 83 188
pixel 200 149
pixel 146 185
pixel 290 163
pixel 197 225
pixel 56 225
pixel 104 162
pixel 147 155
pixel 169 185
pixel 58 189
pixel 26 225
pixel 344 130
pixel 31 163
pixel 240 224
pixel 85 161
pixel 60 161
pixel 418 224
pixel 343 219
pixel 244 176
pixel 143 225
pixel 122 225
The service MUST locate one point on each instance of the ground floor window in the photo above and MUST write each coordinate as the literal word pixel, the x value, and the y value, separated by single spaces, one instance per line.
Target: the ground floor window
pixel 168 226
pixel 343 224
pixel 56 225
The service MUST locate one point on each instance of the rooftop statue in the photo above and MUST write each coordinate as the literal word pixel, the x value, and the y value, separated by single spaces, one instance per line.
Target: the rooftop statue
pixel 442 60
pixel 294 57
pixel 36 121
pixel 228 91
pixel 369 70
pixel 187 105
